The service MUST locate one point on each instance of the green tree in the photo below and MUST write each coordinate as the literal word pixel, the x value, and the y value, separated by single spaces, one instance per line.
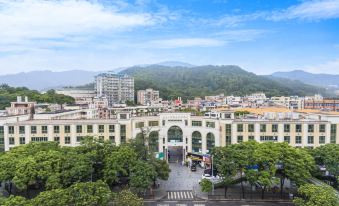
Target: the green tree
pixel 206 185
pixel 328 155
pixel 312 195
pixel 17 201
pixel 127 198
pixel 142 175
pixel 56 197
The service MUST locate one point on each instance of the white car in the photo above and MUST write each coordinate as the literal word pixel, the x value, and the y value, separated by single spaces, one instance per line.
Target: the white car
pixel 213 179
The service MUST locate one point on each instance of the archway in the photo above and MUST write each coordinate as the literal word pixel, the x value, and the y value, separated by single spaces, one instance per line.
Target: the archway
pixel 174 134
pixel 210 141
pixel 196 142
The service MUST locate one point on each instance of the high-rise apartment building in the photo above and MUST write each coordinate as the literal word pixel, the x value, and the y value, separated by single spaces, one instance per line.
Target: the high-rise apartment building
pixel 116 88
pixel 147 96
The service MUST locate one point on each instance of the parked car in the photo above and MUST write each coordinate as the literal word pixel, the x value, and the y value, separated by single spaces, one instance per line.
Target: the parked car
pixel 215 179
pixel 193 168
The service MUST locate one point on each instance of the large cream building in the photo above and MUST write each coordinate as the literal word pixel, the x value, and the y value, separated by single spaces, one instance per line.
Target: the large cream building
pixel 167 131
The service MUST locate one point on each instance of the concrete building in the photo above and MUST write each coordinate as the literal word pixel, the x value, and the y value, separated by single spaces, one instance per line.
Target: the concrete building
pixel 324 104
pixel 21 107
pixel 147 96
pixel 81 96
pixel 116 88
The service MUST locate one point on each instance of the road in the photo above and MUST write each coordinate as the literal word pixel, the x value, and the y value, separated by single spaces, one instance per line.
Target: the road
pixel 214 203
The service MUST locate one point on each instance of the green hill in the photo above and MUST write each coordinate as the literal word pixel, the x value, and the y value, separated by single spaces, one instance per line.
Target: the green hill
pixel 189 82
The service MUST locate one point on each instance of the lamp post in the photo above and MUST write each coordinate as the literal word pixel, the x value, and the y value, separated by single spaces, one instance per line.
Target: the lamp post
pixel 212 174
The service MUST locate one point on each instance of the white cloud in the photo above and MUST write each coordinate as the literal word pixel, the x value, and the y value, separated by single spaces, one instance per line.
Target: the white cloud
pixel 331 67
pixel 184 42
pixel 310 10
pixel 25 21
pixel 241 35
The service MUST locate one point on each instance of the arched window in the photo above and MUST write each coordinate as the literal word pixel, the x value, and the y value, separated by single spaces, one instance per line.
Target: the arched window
pixel 210 141
pixel 154 141
pixel 196 142
pixel 174 134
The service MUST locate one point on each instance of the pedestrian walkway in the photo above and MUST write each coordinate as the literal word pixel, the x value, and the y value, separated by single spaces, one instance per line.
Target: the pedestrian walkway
pixel 180 195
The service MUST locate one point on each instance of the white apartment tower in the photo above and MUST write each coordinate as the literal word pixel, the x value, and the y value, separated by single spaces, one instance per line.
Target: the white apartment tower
pixel 115 87
pixel 147 96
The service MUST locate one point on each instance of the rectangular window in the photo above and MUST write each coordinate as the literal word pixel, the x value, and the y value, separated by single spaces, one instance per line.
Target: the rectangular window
pixel 56 129
pixel 196 123
pixel 251 137
pixel 101 128
pixel 240 127
pixel 79 128
pixel 228 140
pixel 210 124
pixel 111 129
pixel 163 122
pixel 139 125
pixel 123 139
pixel 39 139
pixel 298 140
pixel 11 130
pixel 112 139
pixel 228 128
pixel 298 128
pixel 2 130
pixel 251 128
pixel 321 139
pixel 268 138
pixel 322 128
pixel 2 140
pixel 263 128
pixel 33 129
pixel 287 128
pixel 11 141
pixel 240 139
pixel 67 140
pixel 67 129
pixel 57 139
pixel 44 130
pixel 21 129
pixel 310 139
pixel 89 128
pixel 310 128
pixel 153 123
pixel 333 135
pixel 22 140
pixel 80 138
pixel 287 139
pixel 274 128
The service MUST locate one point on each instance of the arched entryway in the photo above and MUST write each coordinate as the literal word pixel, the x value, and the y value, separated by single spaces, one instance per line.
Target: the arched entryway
pixel 210 141
pixel 174 134
pixel 196 142
pixel 175 139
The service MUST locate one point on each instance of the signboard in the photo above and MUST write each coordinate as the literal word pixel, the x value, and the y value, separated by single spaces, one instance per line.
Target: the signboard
pixel 159 155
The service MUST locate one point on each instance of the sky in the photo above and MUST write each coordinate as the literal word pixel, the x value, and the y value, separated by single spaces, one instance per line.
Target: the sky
pixel 261 36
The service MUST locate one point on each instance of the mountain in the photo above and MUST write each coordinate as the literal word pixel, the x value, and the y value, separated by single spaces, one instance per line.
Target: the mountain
pixel 324 80
pixel 174 64
pixel 43 80
pixel 189 82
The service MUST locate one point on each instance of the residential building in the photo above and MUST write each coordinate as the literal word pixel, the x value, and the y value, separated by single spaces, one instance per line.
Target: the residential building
pixel 21 107
pixel 116 88
pixel 324 104
pixel 147 96
pixel 81 96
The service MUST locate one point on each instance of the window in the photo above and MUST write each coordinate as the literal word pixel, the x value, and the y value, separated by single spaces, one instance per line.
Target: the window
pixel 44 130
pixel 67 129
pixel 21 129
pixel 196 123
pixel 67 140
pixel 33 129
pixel 274 128
pixel 287 139
pixel 56 129
pixel 310 139
pixel 240 127
pixel 89 128
pixel 228 140
pixel 163 122
pixel 123 130
pixel 80 138
pixel 310 128
pixel 101 137
pixel 251 137
pixel 112 138
pixel 2 140
pixel 263 128
pixel 228 128
pixel 11 130
pixel 39 139
pixel 298 140
pixel 1 129
pixel 268 138
pixel 322 128
pixel 322 140
pixel 22 140
pixel 111 129
pixel 153 123
pixel 251 128
pixel 333 135
pixel 123 139
pixel 240 139
pixel 287 128
pixel 101 128
pixel 79 128
pixel 11 141
pixel 57 139
pixel 139 124
pixel 298 128
pixel 210 124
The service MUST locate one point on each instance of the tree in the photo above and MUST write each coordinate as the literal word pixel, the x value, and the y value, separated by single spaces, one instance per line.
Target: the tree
pixel 161 168
pixel 142 175
pixel 17 201
pixel 312 195
pixel 328 155
pixel 127 198
pixel 206 185
pixel 56 197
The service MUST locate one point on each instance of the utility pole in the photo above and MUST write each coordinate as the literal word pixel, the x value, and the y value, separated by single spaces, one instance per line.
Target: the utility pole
pixel 212 174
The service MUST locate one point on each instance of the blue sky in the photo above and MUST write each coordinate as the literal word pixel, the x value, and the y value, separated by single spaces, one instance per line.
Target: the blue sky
pixel 261 36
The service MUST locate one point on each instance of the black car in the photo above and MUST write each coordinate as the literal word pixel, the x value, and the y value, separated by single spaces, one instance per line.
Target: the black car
pixel 193 168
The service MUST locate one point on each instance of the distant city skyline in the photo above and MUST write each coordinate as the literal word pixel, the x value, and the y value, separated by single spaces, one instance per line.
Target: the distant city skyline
pixel 261 36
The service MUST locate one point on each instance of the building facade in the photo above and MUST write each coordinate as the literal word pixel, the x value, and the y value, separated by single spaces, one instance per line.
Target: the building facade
pixel 116 88
pixel 147 96
pixel 168 131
